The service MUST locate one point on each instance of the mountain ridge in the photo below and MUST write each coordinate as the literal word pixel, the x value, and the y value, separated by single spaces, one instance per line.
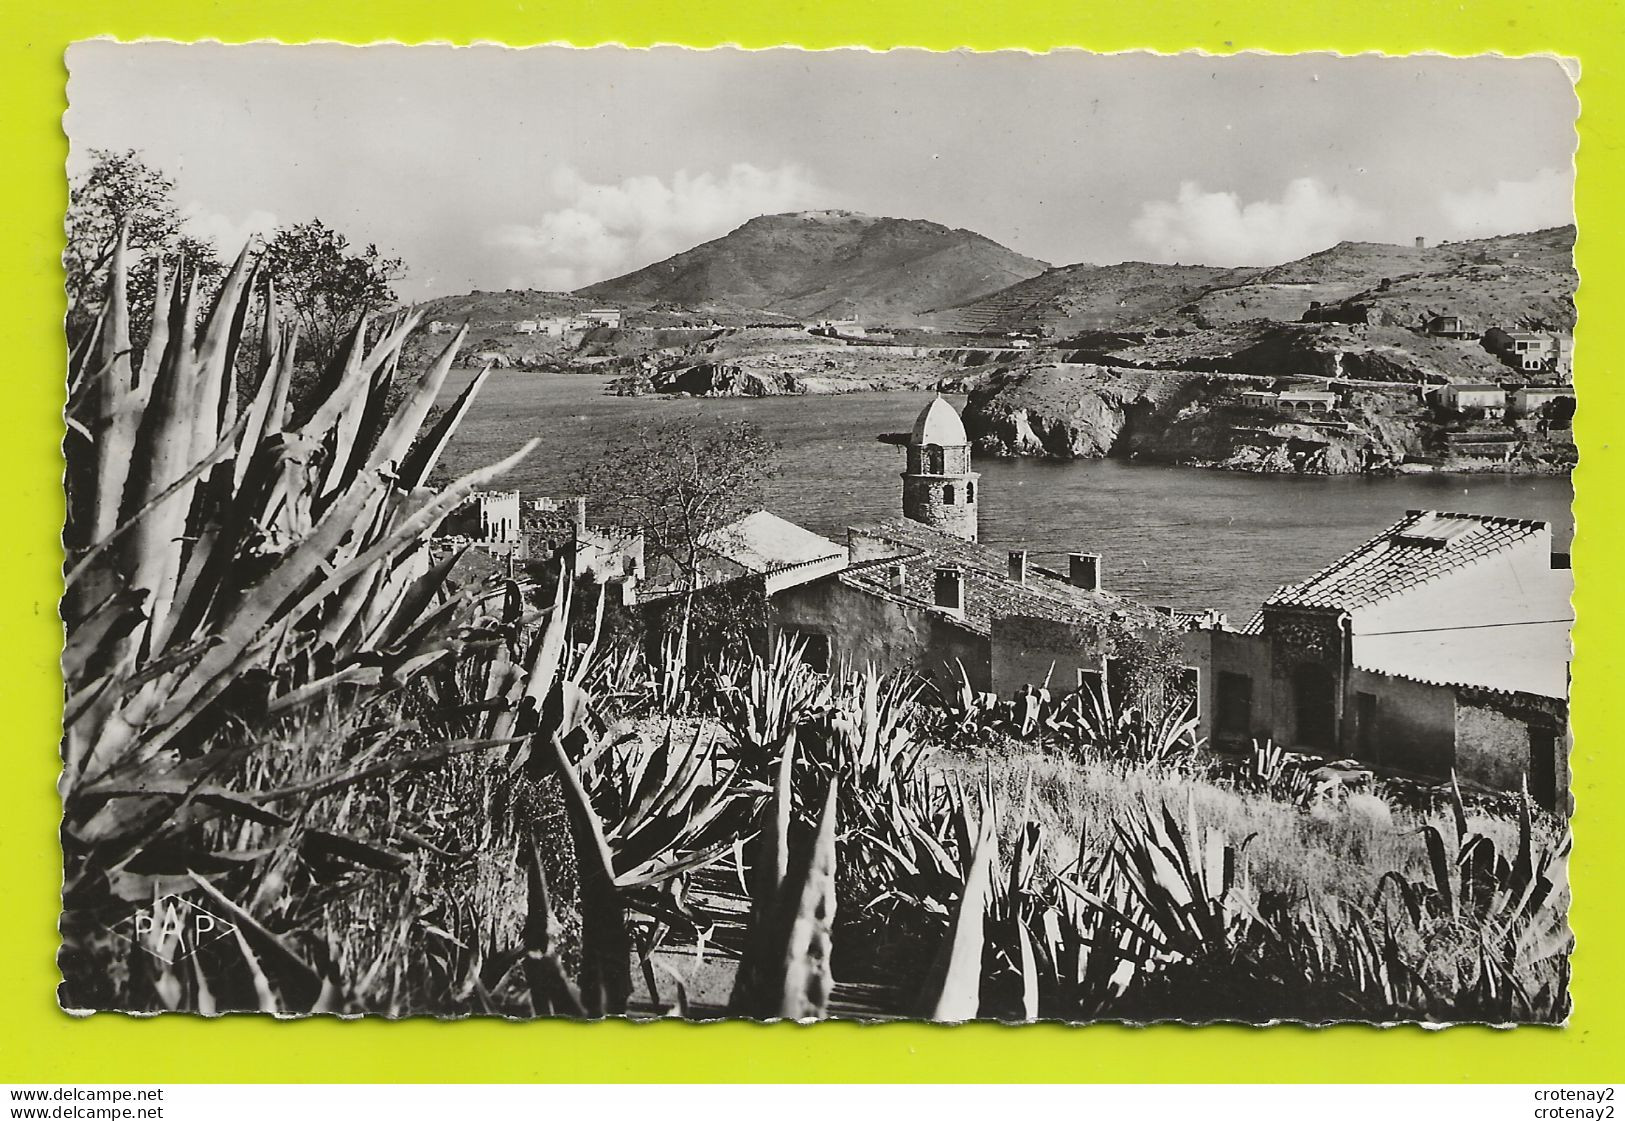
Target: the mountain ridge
pixel 826 264
pixel 1521 278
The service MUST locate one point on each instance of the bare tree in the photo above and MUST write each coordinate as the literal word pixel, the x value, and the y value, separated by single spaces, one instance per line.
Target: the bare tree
pixel 679 481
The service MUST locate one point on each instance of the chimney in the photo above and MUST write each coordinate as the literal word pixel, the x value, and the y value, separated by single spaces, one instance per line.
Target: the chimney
pixel 1421 243
pixel 1086 571
pixel 1018 566
pixel 581 517
pixel 950 589
pixel 898 574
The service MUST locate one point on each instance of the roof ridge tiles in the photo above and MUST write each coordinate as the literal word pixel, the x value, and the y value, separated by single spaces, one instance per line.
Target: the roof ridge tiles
pixel 1449 684
pixel 1357 578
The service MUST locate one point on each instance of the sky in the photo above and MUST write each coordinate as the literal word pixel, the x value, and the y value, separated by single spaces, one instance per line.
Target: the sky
pixel 491 168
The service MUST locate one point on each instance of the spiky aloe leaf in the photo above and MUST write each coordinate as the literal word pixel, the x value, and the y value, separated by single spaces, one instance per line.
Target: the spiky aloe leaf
pixel 403 428
pixel 804 977
pixel 606 973
pixel 954 993
pixel 551 992
pixel 113 423
pixel 770 869
pixel 216 355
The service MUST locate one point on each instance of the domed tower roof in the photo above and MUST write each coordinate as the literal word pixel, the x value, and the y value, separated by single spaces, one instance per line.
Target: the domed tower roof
pixel 939 424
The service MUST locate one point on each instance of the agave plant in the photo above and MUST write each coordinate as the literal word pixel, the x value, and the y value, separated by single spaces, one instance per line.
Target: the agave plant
pixel 1269 769
pixel 762 702
pixel 229 564
pixel 1096 721
pixel 786 970
pixel 1517 907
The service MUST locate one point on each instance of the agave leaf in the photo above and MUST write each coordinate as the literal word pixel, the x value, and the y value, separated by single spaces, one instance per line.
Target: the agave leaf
pixel 551 993
pixel 954 994
pixel 157 335
pixel 403 428
pixel 1027 965
pixel 263 417
pixel 150 556
pixel 114 423
pixel 300 981
pixel 420 461
pixel 217 353
pixel 245 629
pixel 1440 865
pixel 805 977
pixel 606 977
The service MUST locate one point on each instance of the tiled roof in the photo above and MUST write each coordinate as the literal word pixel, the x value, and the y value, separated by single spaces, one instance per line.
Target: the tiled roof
pixel 764 542
pixel 989 592
pixel 1467 687
pixel 1423 546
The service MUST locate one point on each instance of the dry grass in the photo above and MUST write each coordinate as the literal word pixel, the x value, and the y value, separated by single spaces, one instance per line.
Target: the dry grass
pixel 1339 849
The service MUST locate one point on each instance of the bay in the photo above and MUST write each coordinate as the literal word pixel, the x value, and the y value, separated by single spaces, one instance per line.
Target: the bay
pixel 1179 536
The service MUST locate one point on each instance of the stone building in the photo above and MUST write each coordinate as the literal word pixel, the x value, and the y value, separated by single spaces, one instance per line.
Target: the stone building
pixel 939 487
pixel 914 598
pixel 488 519
pixel 605 554
pixel 1533 400
pixel 919 594
pixel 1440 645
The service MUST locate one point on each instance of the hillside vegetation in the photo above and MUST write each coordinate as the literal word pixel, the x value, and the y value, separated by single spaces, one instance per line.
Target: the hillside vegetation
pixel 1523 279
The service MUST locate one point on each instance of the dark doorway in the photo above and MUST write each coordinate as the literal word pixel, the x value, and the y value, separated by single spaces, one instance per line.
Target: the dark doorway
pixel 1233 706
pixel 1543 765
pixel 815 651
pixel 1365 727
pixel 1314 694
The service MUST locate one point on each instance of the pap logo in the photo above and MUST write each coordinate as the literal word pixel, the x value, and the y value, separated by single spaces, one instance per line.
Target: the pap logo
pixel 172 928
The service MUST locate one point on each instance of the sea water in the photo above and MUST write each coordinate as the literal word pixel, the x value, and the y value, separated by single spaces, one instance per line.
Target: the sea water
pixel 1179 536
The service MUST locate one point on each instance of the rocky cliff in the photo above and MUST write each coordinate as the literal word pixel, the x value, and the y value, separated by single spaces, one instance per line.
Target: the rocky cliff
pixel 776 363
pixel 1069 411
pixel 1203 420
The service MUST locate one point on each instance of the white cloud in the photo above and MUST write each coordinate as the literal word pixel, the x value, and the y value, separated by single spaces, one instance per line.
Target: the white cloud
pixel 1216 228
pixel 228 234
pixel 605 229
pixel 1512 205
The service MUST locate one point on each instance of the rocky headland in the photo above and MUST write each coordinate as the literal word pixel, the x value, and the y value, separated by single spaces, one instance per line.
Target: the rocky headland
pixel 1087 411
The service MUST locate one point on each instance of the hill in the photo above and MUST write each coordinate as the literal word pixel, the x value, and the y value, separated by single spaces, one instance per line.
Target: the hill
pixel 1524 279
pixel 483 310
pixel 1079 298
pixel 827 264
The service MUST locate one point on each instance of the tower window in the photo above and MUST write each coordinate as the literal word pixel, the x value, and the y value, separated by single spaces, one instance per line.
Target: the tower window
pixel 970 492
pixel 948 494
pixel 933 460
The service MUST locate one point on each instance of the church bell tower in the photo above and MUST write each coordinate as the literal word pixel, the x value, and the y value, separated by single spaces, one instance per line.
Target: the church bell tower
pixel 939 488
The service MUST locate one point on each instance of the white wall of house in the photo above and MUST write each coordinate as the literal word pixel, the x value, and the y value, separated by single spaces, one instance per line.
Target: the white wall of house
pixel 1501 622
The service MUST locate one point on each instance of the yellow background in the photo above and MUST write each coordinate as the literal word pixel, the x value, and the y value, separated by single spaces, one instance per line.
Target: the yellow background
pixel 38 1043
